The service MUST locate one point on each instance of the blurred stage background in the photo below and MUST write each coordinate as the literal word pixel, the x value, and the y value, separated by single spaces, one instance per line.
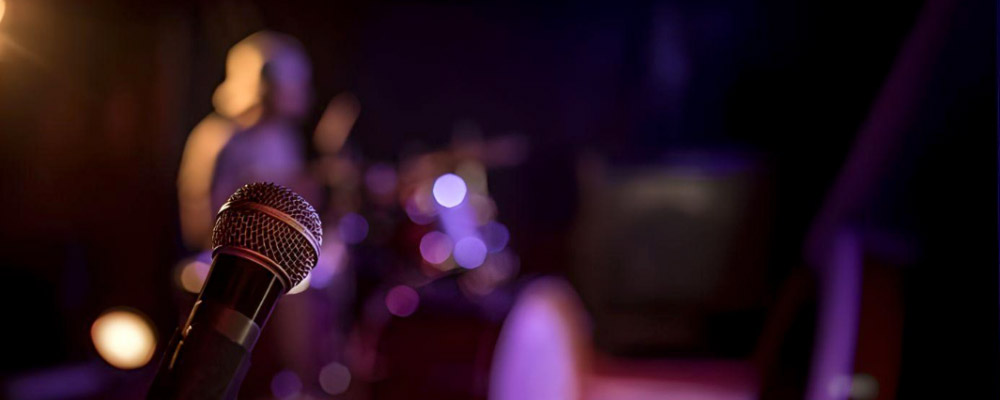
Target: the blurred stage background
pixel 662 199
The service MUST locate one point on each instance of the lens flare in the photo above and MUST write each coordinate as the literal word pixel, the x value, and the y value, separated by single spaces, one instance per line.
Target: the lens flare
pixel 123 338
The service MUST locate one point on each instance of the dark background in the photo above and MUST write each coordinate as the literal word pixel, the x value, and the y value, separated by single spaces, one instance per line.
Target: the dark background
pixel 96 99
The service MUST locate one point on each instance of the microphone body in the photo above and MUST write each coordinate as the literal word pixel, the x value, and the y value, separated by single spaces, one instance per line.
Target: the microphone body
pixel 266 240
pixel 209 355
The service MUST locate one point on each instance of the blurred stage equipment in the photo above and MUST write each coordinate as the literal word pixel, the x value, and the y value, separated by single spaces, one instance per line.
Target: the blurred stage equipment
pixel 266 240
pixel 671 258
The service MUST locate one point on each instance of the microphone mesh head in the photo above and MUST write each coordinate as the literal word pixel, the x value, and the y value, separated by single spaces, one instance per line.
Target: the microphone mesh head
pixel 270 221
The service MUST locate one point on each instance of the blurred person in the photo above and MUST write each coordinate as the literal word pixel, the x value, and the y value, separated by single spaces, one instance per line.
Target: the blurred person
pixel 270 146
pixel 265 94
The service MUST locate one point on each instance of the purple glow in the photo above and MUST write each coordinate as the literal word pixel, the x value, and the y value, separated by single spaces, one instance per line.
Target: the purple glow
pixel 535 357
pixel 63 382
pixel 435 247
pixel 449 190
pixel 470 252
pixel 495 235
pixel 353 228
pixel 330 259
pixel 837 320
pixel 286 384
pixel 402 301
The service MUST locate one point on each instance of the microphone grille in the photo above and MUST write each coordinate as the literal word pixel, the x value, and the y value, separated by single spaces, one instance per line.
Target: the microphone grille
pixel 272 225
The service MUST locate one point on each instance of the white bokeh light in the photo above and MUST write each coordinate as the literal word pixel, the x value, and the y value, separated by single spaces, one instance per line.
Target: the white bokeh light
pixel 449 190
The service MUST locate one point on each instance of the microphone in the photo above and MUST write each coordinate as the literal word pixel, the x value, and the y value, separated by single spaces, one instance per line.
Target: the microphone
pixel 265 241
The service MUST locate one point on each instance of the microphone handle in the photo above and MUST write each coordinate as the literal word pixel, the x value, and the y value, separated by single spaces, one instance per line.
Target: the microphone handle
pixel 208 366
pixel 209 355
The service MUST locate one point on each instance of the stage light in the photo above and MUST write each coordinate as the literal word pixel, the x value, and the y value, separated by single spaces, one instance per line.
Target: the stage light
pixel 435 247
pixel 449 190
pixel 334 378
pixel 193 276
pixel 470 252
pixel 123 338
pixel 402 301
pixel 286 385
pixel 353 228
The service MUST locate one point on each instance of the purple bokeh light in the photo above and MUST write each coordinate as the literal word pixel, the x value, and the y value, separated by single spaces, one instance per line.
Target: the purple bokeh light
pixel 353 228
pixel 435 247
pixel 286 384
pixel 449 190
pixel 470 252
pixel 334 378
pixel 402 301
pixel 495 235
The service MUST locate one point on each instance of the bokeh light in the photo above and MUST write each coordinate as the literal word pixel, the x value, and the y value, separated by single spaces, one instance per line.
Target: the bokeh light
pixel 286 384
pixel 193 276
pixel 353 228
pixel 470 252
pixel 417 215
pixel 449 190
pixel 124 338
pixel 334 378
pixel 435 247
pixel 419 205
pixel 495 235
pixel 402 301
